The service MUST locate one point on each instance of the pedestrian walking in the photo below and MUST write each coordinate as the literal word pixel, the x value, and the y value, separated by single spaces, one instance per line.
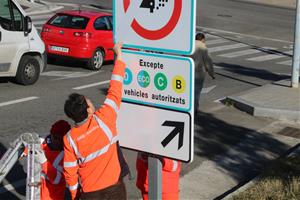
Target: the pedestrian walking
pixel 170 177
pixel 53 183
pixel 203 64
pixel 91 165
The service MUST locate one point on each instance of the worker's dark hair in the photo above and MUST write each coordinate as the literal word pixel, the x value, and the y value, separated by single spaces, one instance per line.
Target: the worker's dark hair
pixel 200 36
pixel 76 107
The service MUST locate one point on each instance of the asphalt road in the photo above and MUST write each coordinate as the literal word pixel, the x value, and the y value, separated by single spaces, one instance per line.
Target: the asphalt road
pixel 246 18
pixel 256 31
pixel 238 16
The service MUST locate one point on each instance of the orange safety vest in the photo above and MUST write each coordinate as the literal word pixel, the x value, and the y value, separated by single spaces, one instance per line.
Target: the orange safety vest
pixel 53 184
pixel 91 158
pixel 170 177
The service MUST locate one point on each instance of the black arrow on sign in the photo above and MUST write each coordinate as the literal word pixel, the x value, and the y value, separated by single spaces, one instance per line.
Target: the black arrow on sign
pixel 179 128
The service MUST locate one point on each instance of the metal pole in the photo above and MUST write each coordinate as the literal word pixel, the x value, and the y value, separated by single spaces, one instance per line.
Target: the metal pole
pixel 296 57
pixel 154 178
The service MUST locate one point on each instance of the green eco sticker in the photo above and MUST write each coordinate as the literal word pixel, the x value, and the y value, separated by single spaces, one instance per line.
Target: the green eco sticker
pixel 160 81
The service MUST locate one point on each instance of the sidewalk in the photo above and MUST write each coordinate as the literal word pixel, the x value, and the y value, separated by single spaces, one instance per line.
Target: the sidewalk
pixel 276 100
pixel 224 173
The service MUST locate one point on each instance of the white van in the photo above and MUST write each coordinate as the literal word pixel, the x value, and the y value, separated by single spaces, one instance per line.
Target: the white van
pixel 22 52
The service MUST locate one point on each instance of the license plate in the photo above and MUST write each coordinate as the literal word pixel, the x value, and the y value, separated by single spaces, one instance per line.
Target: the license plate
pixel 60 49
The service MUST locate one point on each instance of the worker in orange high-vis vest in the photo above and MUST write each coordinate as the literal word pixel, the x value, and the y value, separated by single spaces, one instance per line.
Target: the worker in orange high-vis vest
pixel 53 184
pixel 91 165
pixel 170 177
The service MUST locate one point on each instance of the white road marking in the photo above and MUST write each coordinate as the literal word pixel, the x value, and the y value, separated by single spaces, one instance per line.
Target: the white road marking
pixel 240 53
pixel 216 41
pixel 227 68
pixel 13 186
pixel 241 34
pixel 58 73
pixel 34 17
pixel 226 47
pixel 269 57
pixel 17 101
pixel 41 22
pixel 249 70
pixel 287 62
pixel 288 47
pixel 248 52
pixel 78 75
pixel 68 74
pixel 210 36
pixel 219 100
pixel 91 85
pixel 208 89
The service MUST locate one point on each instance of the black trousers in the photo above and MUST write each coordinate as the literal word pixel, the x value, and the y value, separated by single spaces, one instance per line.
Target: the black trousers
pixel 114 192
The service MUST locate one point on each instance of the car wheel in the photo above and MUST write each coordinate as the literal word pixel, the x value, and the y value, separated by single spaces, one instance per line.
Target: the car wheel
pixel 28 70
pixel 95 63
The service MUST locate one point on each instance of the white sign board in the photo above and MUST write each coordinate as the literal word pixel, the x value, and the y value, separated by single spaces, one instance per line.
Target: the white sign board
pixel 158 80
pixel 158 131
pixel 158 25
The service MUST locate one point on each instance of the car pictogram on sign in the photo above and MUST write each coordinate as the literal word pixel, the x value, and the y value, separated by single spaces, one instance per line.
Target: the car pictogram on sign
pixel 158 33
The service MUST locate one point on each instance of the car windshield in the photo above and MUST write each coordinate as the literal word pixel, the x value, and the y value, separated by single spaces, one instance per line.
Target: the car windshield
pixel 69 21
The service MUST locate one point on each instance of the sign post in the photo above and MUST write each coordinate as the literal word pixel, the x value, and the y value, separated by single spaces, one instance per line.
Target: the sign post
pixel 155 178
pixel 157 112
pixel 296 54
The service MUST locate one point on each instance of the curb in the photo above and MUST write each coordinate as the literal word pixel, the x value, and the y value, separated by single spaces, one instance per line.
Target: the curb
pixel 259 111
pixel 291 152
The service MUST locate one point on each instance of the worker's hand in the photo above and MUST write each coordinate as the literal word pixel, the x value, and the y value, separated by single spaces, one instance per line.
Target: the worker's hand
pixel 118 50
pixel 40 156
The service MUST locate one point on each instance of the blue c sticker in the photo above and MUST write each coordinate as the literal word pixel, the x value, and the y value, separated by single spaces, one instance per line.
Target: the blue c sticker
pixel 128 77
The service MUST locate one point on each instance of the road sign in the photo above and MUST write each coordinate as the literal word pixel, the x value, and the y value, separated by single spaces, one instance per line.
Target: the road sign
pixel 159 80
pixel 158 25
pixel 158 131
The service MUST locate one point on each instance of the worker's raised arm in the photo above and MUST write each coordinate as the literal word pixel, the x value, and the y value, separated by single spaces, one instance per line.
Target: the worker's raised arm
pixel 113 99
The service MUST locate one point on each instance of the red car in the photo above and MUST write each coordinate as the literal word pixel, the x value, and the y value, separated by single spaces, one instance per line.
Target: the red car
pixel 85 35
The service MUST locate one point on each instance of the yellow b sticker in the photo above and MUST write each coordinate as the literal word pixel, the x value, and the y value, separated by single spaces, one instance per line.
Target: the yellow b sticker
pixel 178 84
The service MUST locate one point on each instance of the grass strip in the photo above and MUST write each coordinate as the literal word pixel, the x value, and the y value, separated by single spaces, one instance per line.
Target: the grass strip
pixel 279 181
